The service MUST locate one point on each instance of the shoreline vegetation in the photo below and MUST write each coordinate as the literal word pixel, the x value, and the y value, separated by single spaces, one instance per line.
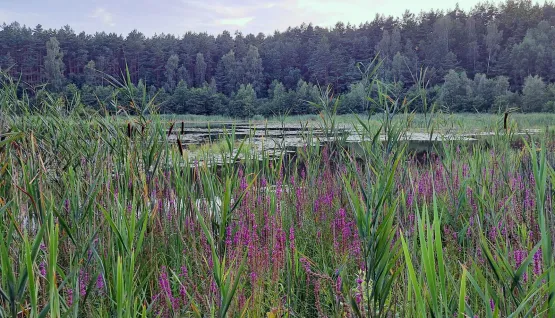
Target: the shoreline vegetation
pixel 103 215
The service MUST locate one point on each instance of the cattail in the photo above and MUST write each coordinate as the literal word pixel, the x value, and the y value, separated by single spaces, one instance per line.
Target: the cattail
pixel 129 130
pixel 180 146
pixel 171 129
pixel 505 120
pixel 182 128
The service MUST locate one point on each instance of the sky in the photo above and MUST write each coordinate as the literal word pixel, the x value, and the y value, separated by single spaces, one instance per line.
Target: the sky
pixel 212 16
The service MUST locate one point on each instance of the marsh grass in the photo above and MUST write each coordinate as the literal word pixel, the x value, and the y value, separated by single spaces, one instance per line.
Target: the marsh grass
pixel 100 218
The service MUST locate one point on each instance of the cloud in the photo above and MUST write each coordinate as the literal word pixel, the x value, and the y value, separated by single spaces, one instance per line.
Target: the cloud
pixel 229 10
pixel 327 12
pixel 104 16
pixel 214 15
pixel 236 21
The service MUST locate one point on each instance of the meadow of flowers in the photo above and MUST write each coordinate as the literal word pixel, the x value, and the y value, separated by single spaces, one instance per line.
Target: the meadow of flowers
pixel 103 217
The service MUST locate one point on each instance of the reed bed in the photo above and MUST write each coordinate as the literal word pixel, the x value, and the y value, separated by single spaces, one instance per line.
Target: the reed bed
pixel 103 217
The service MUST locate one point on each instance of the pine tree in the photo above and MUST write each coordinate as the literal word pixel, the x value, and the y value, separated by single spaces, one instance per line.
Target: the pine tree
pixel 90 74
pixel 252 67
pixel 319 63
pixel 226 76
pixel 200 70
pixel 53 64
pixel 170 72
pixel 492 39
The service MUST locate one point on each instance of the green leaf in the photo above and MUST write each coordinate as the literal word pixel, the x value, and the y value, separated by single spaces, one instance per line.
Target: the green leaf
pixel 462 295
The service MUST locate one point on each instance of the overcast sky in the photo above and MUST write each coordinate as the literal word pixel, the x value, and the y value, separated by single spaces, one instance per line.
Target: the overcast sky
pixel 212 16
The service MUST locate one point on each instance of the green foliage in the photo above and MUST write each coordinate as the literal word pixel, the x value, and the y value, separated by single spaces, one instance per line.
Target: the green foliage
pixel 514 43
pixel 171 72
pixel 479 95
pixel 534 95
pixel 200 70
pixel 243 103
pixel 53 64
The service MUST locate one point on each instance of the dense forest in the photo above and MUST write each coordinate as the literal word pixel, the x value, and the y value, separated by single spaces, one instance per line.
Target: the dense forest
pixel 491 57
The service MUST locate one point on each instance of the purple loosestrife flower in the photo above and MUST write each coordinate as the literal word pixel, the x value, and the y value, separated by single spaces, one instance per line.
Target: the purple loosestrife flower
pixel 69 293
pixel 519 256
pixel 479 255
pixel 493 233
pixel 253 277
pixel 83 282
pixel 317 296
pixel 520 183
pixel 328 199
pixel 355 244
pixel 529 202
pixel 278 251
pixel 306 264
pixel 213 287
pixel 42 269
pixel 243 184
pixel 410 199
pixel 470 225
pixel 439 185
pixel 164 284
pixel 100 282
pixel 160 205
pixel 504 230
pixel 465 170
pixel 491 304
pixel 358 296
pixel 182 290
pixel 339 225
pixel 292 238
pixel 421 186
pixel 163 281
pixel 538 262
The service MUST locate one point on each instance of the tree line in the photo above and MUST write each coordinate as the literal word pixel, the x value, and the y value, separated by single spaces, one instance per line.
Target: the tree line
pixel 490 57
